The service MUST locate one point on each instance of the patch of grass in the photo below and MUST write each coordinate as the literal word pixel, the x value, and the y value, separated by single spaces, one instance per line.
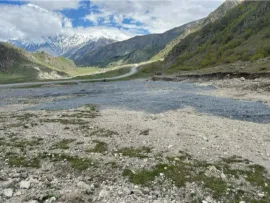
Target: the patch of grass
pixel 235 159
pixel 180 174
pixel 21 161
pixel 144 177
pixel 108 74
pixel 186 170
pixel 66 121
pixel 63 144
pixel 100 147
pixel 91 107
pixel 76 162
pixel 21 143
pixel 135 152
pixel 112 164
pixel 103 133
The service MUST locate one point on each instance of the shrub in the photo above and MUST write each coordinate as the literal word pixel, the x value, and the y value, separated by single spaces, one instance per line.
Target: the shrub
pixel 256 57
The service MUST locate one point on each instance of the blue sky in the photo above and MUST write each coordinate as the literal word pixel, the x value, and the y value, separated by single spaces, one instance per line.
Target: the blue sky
pixel 122 18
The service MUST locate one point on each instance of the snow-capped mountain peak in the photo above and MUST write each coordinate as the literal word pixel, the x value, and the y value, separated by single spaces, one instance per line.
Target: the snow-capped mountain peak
pixel 61 44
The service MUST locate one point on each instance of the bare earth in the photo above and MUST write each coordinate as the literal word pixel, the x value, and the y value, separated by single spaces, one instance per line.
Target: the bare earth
pixel 252 90
pixel 86 155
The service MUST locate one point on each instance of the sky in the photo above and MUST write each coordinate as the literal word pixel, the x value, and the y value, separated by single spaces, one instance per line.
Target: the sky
pixel 34 19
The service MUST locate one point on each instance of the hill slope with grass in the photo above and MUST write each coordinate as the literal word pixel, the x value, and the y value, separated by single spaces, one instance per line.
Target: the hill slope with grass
pixel 243 34
pixel 197 25
pixel 134 50
pixel 17 65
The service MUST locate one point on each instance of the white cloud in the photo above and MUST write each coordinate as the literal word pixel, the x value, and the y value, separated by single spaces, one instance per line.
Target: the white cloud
pixel 153 15
pixel 33 22
pixel 29 21
pixel 56 4
pixel 122 18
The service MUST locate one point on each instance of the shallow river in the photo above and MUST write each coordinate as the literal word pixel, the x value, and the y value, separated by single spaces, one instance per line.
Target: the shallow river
pixel 140 95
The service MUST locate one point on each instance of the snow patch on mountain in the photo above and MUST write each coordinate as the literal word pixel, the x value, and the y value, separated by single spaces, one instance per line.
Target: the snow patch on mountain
pixel 61 44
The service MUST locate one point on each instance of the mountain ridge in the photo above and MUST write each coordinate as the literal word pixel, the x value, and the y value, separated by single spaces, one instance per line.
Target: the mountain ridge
pixel 212 17
pixel 18 65
pixel 242 34
pixel 133 50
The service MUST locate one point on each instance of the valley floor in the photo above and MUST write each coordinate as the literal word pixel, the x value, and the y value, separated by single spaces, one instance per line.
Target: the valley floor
pixel 113 155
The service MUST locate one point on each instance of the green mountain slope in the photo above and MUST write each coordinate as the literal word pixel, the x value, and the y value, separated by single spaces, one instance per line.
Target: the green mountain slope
pixel 134 50
pixel 242 34
pixel 17 65
pixel 197 25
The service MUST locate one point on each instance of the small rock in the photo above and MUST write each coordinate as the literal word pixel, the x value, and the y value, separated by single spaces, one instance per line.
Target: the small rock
pixel 223 176
pixel 82 185
pixel 51 200
pixel 204 201
pixel 8 192
pixel 261 195
pixel 242 202
pixel 26 125
pixel 16 175
pixel 33 201
pixel 126 190
pixel 25 184
pixel 18 193
pixel 7 184
pixel 170 146
pixel 242 79
pixel 104 194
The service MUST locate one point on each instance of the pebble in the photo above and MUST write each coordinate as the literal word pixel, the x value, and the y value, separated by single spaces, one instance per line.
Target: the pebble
pixel 104 194
pixel 8 192
pixel 126 190
pixel 25 184
pixel 261 195
pixel 223 176
pixel 242 79
pixel 82 185
pixel 51 200
pixel 26 125
pixel 6 184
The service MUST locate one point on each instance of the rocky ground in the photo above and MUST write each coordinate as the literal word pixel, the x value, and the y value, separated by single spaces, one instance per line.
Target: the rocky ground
pixel 87 155
pixel 241 88
pixel 252 88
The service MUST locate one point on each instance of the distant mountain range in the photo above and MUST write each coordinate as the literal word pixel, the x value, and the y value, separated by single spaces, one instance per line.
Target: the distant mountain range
pixel 105 50
pixel 236 31
pixel 80 51
pixel 147 47
pixel 134 50
pixel 64 45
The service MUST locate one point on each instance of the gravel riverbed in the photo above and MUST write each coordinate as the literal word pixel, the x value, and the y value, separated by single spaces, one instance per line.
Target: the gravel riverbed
pixel 90 152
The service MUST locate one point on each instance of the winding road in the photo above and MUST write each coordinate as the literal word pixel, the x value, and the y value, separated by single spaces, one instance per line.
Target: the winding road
pixel 133 71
